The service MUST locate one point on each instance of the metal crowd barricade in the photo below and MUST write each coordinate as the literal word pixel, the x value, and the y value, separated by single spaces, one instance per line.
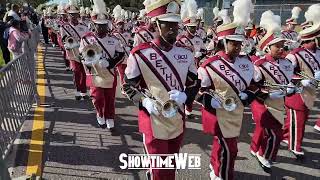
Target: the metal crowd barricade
pixel 17 94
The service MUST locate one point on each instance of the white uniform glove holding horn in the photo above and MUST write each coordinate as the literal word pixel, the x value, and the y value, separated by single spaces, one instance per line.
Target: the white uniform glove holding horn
pixel 215 104
pixel 103 63
pixel 150 106
pixel 277 94
pixel 178 96
pixel 317 75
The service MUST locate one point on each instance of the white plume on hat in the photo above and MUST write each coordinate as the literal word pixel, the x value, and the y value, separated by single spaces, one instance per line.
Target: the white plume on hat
pixel 73 3
pixel 116 12
pixel 142 13
pixel 61 6
pixel 82 10
pixel 87 9
pixel 189 9
pixel 215 12
pixel 99 7
pixel 295 12
pixel 147 2
pixel 241 11
pixel 126 15
pixel 313 14
pixel 200 13
pixel 270 21
pixel 224 16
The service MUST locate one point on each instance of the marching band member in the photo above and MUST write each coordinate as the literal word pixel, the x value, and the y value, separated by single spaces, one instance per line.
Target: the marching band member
pixel 225 80
pixel 124 38
pixel 84 16
pixel 104 80
pixel 164 71
pixel 200 29
pixel 71 34
pixel 190 40
pixel 272 75
pixel 62 19
pixel 289 33
pixel 221 17
pixel 144 33
pixel 307 66
pixel 50 22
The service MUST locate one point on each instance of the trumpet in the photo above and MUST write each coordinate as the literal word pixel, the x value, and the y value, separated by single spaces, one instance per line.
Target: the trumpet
pixel 167 109
pixel 273 86
pixel 228 103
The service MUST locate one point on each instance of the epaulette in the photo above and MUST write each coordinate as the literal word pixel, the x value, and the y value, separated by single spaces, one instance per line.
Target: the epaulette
pixel 210 60
pixel 140 47
pixel 178 44
pixel 260 61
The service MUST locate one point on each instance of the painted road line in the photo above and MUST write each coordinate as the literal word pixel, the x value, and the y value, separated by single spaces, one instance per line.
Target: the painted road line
pixel 34 165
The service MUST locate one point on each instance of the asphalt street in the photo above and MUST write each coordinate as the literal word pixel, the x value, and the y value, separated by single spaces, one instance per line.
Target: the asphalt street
pixel 75 148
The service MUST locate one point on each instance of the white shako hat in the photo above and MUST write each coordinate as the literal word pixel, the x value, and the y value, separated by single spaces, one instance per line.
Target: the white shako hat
pixel 163 10
pixel 200 15
pixel 272 24
pixel 61 8
pixel 235 30
pixel 294 16
pixel 118 14
pixel 100 12
pixel 189 13
pixel 72 7
pixel 313 17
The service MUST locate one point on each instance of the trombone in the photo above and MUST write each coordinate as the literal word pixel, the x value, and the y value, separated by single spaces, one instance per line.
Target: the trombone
pixel 71 44
pixel 283 87
pixel 167 109
pixel 228 103
pixel 91 53
pixel 304 75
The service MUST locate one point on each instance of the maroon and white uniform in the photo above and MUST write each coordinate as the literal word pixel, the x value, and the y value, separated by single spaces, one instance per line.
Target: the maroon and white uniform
pixel 75 31
pixel 142 35
pixel 160 71
pixel 197 46
pixel 104 81
pixel 299 105
pixel 269 113
pixel 228 79
pixel 124 39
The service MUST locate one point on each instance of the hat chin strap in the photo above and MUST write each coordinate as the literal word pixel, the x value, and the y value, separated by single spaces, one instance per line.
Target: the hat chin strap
pixel 225 45
pixel 160 32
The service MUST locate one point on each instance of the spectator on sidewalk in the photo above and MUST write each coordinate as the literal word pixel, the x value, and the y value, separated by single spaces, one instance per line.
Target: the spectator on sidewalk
pixel 4 37
pixel 44 30
pixel 16 38
pixel 14 12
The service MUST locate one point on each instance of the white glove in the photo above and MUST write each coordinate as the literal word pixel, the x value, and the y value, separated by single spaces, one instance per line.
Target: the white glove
pixel 150 106
pixel 197 54
pixel 290 90
pixel 308 83
pixel 317 75
pixel 89 63
pixel 103 63
pixel 276 94
pixel 243 96
pixel 178 96
pixel 216 104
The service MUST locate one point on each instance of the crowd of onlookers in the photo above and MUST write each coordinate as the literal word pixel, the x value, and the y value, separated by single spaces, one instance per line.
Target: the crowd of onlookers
pixel 16 24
